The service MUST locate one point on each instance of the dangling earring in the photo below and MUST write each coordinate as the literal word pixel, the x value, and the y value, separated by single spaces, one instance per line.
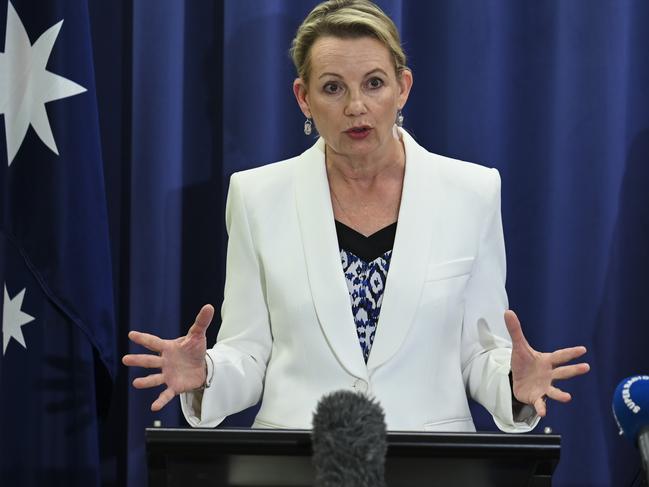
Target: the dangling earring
pixel 399 120
pixel 308 126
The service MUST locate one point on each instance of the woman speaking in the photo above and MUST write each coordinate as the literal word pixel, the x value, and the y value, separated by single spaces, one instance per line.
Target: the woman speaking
pixel 366 263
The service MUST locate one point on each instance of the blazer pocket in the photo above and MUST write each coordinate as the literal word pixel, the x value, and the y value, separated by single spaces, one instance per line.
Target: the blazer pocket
pixel 453 424
pixel 449 269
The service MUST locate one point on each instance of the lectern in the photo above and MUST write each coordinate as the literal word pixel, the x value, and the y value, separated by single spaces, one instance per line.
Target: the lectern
pixel 282 458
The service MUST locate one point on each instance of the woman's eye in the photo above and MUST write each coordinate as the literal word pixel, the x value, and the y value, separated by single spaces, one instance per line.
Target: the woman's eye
pixel 331 88
pixel 375 83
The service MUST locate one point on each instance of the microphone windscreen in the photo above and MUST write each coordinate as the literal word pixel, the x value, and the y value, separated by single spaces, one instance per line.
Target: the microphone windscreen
pixel 631 406
pixel 349 441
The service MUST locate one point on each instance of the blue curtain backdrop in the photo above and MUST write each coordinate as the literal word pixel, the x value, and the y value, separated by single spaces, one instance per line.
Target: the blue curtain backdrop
pixel 554 94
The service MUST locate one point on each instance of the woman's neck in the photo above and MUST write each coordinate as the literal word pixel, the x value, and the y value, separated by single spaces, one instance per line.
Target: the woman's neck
pixel 366 169
pixel 366 194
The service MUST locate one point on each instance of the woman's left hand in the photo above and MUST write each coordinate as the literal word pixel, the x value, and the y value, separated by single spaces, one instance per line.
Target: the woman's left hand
pixel 534 373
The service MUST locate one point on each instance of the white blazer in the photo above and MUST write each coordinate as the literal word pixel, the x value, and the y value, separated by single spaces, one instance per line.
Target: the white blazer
pixel 288 334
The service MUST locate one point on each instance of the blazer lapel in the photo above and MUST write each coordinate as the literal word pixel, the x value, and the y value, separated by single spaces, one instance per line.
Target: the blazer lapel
pixel 324 269
pixel 418 215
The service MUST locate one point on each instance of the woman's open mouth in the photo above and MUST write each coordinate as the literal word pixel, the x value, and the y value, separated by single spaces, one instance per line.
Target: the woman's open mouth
pixel 358 132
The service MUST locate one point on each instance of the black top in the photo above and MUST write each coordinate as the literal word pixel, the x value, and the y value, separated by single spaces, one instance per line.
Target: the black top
pixel 367 248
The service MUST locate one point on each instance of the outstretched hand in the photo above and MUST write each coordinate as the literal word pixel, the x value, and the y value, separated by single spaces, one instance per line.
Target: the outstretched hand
pixel 181 361
pixel 534 373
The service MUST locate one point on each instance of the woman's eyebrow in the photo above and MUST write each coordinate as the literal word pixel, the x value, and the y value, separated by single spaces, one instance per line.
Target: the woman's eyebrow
pixel 380 70
pixel 375 70
pixel 329 74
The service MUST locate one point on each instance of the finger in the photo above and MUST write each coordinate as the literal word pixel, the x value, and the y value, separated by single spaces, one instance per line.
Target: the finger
pixel 570 371
pixel 203 320
pixel 143 360
pixel 540 407
pixel 152 380
pixel 151 342
pixel 514 327
pixel 558 395
pixel 564 355
pixel 163 399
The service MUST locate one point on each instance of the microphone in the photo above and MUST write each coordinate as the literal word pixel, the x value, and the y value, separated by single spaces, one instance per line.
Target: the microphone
pixel 349 441
pixel 631 412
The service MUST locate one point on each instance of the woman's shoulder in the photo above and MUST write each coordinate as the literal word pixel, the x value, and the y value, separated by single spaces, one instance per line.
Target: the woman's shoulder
pixel 448 164
pixel 466 173
pixel 264 181
pixel 274 171
pixel 469 180
pixel 270 186
pixel 280 172
pixel 456 174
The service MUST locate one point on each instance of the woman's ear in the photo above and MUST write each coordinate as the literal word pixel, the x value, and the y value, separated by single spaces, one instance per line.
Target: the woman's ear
pixel 300 92
pixel 405 84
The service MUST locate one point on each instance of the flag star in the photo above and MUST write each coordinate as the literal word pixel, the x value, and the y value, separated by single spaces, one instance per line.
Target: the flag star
pixel 25 84
pixel 13 318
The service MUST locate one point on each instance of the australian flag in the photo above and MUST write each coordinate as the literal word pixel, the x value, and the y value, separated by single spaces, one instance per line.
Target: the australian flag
pixel 55 270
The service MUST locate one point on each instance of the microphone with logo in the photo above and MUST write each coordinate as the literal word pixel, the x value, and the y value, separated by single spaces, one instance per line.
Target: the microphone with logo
pixel 631 412
pixel 349 441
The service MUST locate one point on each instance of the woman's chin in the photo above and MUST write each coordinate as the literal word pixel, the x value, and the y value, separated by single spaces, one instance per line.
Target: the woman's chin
pixel 359 149
pixel 360 146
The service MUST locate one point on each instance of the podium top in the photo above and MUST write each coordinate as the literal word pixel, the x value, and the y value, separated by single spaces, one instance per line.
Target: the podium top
pixel 284 440
pixel 259 457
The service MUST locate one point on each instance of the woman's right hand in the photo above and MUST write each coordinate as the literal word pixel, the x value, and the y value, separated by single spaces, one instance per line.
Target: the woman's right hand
pixel 181 361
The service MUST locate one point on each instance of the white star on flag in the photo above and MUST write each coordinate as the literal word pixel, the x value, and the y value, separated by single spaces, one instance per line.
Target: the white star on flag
pixel 25 84
pixel 13 318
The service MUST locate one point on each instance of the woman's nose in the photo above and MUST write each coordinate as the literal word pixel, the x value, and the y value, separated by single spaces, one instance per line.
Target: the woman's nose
pixel 355 104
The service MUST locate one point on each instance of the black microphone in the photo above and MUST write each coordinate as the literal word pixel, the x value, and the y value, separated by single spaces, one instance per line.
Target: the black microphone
pixel 631 412
pixel 349 441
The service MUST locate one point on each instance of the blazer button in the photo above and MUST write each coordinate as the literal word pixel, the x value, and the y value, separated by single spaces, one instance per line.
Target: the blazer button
pixel 360 386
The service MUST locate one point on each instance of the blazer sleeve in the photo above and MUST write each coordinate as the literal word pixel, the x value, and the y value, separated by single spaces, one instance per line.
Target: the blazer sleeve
pixel 244 342
pixel 486 345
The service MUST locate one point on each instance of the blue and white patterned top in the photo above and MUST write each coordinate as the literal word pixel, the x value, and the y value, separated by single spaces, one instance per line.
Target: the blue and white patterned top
pixel 366 262
pixel 366 282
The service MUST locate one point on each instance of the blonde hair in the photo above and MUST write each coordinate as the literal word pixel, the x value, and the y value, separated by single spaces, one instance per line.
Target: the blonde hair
pixel 345 19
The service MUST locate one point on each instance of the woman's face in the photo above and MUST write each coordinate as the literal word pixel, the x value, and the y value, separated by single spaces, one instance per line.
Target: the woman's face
pixel 353 95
